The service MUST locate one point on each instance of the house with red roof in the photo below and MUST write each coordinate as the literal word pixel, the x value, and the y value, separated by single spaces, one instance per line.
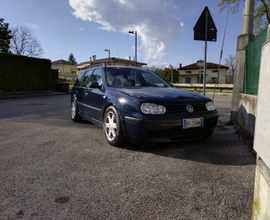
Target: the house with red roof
pixel 193 73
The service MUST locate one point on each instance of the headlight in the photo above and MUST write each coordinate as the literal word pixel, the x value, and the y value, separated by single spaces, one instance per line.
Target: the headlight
pixel 152 109
pixel 210 106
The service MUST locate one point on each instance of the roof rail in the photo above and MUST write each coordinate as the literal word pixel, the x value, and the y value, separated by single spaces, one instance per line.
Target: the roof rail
pixel 100 64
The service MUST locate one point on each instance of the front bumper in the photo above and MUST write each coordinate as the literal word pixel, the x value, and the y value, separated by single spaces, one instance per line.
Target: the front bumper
pixel 150 131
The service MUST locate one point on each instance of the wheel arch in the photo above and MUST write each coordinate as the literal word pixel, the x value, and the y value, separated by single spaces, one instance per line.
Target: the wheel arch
pixel 121 116
pixel 74 97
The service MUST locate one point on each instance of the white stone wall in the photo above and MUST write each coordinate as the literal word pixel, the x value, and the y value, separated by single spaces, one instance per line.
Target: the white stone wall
pixel 262 129
pixel 261 201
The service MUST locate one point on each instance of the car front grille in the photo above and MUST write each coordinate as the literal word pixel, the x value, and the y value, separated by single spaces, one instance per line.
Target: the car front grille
pixel 180 134
pixel 182 108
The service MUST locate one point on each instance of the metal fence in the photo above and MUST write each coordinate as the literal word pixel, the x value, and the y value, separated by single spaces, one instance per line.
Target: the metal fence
pixel 252 64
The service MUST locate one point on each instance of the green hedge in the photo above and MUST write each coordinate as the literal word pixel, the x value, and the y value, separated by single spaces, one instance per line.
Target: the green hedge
pixel 21 73
pixel 54 78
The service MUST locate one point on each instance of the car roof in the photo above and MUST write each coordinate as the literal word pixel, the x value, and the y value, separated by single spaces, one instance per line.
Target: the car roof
pixel 115 67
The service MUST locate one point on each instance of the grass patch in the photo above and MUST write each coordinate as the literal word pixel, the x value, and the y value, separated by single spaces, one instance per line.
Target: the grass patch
pixel 206 90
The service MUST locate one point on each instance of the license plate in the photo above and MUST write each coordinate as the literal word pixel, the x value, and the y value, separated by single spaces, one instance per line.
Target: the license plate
pixel 192 122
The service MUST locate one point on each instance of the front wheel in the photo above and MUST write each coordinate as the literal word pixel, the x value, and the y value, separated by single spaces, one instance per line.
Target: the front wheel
pixel 112 127
pixel 74 112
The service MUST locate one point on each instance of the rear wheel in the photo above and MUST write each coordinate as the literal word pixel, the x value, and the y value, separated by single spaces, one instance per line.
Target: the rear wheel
pixel 74 112
pixel 112 127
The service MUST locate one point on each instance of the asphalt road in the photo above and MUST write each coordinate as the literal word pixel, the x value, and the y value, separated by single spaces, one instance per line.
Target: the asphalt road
pixel 53 168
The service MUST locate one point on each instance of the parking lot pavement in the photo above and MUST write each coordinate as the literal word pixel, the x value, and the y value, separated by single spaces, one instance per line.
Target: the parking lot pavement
pixel 53 168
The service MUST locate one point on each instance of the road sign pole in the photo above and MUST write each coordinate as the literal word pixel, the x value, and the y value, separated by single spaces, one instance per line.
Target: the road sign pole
pixel 205 52
pixel 205 30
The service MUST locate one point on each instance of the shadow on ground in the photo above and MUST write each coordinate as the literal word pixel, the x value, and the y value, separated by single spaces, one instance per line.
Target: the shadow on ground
pixel 229 145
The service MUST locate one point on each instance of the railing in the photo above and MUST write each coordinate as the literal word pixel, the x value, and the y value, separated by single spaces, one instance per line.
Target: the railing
pixel 197 85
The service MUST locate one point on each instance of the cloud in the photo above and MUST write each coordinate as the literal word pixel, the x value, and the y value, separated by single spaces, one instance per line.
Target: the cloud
pixel 156 22
pixel 32 25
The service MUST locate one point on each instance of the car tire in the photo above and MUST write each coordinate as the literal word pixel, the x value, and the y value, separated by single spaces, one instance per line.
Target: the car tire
pixel 74 112
pixel 112 127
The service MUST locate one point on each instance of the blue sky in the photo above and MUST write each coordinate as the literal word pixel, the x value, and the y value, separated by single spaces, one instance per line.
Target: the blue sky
pixel 87 28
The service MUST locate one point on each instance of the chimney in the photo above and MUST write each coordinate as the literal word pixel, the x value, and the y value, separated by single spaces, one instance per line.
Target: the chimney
pixel 94 57
pixel 129 58
pixel 180 65
pixel 90 59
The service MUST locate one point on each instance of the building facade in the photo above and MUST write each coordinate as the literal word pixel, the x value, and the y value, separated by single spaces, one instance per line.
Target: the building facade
pixel 192 73
pixel 108 61
pixel 67 71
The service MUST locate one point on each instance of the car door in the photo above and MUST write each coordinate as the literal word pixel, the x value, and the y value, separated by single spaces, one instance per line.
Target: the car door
pixel 80 93
pixel 96 98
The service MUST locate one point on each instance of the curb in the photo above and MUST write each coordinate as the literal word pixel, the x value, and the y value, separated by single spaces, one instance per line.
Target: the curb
pixel 15 95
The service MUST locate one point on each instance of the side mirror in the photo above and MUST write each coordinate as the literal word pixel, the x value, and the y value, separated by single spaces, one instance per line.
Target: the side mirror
pixel 94 85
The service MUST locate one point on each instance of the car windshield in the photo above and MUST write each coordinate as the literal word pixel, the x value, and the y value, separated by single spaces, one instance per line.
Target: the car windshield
pixel 123 77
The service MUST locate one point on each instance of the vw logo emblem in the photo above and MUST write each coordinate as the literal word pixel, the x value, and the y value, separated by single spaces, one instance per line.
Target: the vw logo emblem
pixel 189 108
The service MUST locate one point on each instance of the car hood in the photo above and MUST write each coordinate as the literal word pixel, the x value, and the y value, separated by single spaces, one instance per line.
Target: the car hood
pixel 160 93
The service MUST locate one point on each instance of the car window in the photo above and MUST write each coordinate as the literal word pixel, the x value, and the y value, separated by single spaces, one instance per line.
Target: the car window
pixel 85 78
pixel 124 77
pixel 116 77
pixel 96 76
pixel 134 78
pixel 151 79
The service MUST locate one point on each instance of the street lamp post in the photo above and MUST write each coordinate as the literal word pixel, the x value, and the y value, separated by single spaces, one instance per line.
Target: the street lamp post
pixel 171 73
pixel 109 55
pixel 135 32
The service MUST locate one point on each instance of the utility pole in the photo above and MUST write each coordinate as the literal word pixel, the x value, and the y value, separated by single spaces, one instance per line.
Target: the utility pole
pixel 244 39
pixel 135 32
pixel 248 14
pixel 171 73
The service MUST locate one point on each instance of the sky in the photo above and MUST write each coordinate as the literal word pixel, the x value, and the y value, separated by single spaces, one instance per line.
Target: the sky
pixel 165 34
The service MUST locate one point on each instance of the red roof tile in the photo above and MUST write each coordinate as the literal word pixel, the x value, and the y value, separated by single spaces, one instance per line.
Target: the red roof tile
pixel 62 62
pixel 208 66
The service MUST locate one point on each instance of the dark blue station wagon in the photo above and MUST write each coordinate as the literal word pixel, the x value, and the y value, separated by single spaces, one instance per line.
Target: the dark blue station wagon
pixel 137 106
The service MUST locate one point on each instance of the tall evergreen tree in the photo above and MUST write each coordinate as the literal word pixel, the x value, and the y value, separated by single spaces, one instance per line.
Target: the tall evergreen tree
pixel 5 36
pixel 72 59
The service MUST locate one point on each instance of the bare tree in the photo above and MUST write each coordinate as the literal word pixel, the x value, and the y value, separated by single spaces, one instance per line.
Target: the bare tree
pixel 25 43
pixel 261 12
pixel 230 62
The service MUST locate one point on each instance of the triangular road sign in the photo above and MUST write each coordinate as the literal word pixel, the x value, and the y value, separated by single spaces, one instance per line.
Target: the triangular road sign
pixel 199 28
